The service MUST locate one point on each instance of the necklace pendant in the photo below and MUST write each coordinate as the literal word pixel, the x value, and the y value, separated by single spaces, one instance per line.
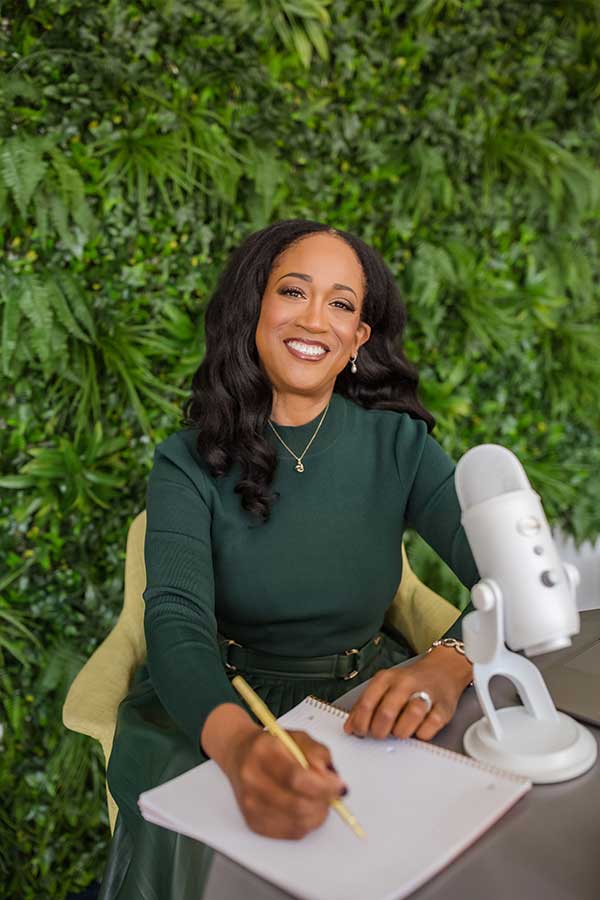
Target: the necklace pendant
pixel 299 467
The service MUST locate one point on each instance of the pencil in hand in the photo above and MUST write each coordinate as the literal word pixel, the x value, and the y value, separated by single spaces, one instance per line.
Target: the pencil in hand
pixel 264 715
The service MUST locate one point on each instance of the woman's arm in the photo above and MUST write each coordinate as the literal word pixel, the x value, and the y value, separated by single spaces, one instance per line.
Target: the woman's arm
pixel 433 510
pixel 432 507
pixel 179 620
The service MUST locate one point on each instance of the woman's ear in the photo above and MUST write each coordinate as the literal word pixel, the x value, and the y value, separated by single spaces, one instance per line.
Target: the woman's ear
pixel 363 333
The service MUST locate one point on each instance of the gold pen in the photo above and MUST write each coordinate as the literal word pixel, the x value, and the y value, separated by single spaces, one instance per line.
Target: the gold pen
pixel 264 715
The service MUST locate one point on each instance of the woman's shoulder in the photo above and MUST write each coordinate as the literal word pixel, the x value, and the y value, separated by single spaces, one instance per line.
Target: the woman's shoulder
pixel 181 449
pixel 182 441
pixel 393 423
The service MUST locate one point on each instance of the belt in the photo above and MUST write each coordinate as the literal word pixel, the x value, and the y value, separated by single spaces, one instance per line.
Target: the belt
pixel 345 665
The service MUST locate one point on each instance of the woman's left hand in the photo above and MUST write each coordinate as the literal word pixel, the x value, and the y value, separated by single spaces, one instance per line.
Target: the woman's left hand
pixel 384 708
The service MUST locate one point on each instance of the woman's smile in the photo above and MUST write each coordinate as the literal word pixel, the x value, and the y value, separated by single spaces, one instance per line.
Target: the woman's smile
pixel 310 351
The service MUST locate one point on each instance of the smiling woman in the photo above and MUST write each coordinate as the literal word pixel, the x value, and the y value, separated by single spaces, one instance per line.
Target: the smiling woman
pixel 273 548
pixel 309 315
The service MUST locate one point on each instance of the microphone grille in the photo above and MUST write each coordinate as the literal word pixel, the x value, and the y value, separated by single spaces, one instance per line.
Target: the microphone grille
pixel 487 471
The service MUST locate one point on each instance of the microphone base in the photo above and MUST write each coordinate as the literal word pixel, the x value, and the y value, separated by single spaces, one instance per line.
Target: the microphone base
pixel 543 750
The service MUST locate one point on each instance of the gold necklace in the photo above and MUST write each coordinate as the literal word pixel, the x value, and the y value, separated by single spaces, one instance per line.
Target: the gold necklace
pixel 299 466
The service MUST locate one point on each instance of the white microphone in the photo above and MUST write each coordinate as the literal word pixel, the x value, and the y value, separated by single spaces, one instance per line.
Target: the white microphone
pixel 525 600
pixel 512 544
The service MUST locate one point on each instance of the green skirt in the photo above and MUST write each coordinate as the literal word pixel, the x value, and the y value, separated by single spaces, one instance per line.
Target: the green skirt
pixel 147 862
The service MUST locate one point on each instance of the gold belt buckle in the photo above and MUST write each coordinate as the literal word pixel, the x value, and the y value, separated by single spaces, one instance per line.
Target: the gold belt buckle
pixel 376 641
pixel 228 665
pixel 354 672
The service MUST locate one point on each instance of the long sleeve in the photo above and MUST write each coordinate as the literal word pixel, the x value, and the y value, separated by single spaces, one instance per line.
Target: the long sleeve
pixel 179 622
pixel 433 509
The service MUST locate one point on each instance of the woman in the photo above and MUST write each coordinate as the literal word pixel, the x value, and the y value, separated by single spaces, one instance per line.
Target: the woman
pixel 275 522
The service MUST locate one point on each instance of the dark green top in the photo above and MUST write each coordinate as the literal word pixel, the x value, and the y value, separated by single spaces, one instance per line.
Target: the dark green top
pixel 317 578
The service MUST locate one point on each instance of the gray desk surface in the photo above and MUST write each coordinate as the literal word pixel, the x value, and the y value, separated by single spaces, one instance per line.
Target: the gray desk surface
pixel 547 846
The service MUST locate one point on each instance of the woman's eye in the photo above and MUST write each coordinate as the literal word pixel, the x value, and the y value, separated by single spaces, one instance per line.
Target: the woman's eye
pixel 341 304
pixel 296 292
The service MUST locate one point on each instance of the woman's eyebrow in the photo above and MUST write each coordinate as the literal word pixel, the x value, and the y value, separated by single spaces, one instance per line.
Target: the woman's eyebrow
pixel 304 277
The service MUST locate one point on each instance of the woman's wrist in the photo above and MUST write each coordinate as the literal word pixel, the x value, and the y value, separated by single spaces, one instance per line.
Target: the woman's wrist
pixel 225 728
pixel 456 663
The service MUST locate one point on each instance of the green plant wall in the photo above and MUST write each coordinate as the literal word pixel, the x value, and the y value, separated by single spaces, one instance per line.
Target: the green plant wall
pixel 139 143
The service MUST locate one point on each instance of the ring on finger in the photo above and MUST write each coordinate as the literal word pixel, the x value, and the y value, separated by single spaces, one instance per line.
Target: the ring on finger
pixel 424 696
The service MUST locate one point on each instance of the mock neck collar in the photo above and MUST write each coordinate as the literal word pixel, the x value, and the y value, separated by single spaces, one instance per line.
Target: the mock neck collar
pixel 297 436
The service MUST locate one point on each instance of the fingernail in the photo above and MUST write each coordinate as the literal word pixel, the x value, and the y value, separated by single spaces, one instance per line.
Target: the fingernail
pixel 332 768
pixel 344 791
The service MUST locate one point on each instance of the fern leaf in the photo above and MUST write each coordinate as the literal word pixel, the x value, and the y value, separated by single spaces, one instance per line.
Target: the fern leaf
pixel 4 211
pixel 57 340
pixel 35 303
pixel 72 190
pixel 59 215
pixel 10 330
pixel 69 180
pixel 22 168
pixel 62 311
pixel 42 215
pixel 77 302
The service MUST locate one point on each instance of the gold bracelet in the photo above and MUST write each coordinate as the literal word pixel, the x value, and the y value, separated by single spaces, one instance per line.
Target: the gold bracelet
pixel 459 646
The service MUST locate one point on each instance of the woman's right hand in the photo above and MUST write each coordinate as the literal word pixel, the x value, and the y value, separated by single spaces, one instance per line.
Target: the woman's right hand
pixel 276 795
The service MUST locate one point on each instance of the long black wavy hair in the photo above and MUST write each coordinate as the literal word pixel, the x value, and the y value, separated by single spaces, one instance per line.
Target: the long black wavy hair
pixel 231 395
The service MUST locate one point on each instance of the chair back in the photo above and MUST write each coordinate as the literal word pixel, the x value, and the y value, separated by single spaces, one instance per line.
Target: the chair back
pixel 131 620
pixel 418 613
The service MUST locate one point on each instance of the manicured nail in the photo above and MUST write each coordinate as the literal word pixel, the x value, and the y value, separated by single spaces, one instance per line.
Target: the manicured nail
pixel 344 791
pixel 332 768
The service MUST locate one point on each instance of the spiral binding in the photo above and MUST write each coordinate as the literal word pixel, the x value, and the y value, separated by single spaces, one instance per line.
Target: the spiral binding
pixel 423 745
pixel 327 707
pixel 467 760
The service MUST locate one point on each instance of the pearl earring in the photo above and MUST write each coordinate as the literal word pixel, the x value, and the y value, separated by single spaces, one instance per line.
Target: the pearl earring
pixel 353 359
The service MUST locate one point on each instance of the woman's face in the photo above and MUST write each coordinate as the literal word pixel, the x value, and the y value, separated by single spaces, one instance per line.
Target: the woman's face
pixel 309 324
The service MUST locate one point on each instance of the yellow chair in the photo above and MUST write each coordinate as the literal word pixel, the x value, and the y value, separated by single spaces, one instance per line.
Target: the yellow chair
pixel 93 699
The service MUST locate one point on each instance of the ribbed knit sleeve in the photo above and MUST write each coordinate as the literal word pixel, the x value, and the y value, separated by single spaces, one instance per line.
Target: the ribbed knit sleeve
pixel 432 508
pixel 179 621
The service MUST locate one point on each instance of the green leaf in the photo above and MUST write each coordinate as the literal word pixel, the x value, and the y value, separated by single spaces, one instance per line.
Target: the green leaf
pixel 62 311
pixel 22 168
pixel 17 482
pixel 77 302
pixel 11 317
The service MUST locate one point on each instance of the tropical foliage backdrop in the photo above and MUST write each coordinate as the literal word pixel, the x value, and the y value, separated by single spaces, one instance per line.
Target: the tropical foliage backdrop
pixel 139 143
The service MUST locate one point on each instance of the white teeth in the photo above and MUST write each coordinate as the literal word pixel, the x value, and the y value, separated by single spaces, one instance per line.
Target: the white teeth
pixel 307 349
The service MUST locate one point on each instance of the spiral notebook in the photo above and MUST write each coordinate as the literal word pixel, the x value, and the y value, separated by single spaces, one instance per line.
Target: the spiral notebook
pixel 420 805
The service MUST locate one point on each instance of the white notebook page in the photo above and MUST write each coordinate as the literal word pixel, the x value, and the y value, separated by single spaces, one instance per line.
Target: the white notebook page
pixel 419 804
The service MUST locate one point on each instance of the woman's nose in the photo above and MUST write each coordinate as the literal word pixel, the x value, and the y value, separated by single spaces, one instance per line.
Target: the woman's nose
pixel 313 316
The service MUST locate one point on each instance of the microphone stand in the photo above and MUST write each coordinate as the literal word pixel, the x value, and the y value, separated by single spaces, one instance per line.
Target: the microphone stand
pixel 534 740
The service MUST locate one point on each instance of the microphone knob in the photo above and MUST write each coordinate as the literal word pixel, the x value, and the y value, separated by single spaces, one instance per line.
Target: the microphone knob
pixel 482 596
pixel 529 526
pixel 550 577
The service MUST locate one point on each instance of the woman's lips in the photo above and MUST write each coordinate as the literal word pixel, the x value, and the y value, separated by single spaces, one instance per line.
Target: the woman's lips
pixel 313 352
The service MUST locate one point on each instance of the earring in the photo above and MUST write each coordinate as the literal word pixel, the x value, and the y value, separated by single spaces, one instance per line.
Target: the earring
pixel 353 359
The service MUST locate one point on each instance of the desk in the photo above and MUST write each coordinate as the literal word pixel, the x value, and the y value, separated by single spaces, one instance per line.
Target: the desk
pixel 547 846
